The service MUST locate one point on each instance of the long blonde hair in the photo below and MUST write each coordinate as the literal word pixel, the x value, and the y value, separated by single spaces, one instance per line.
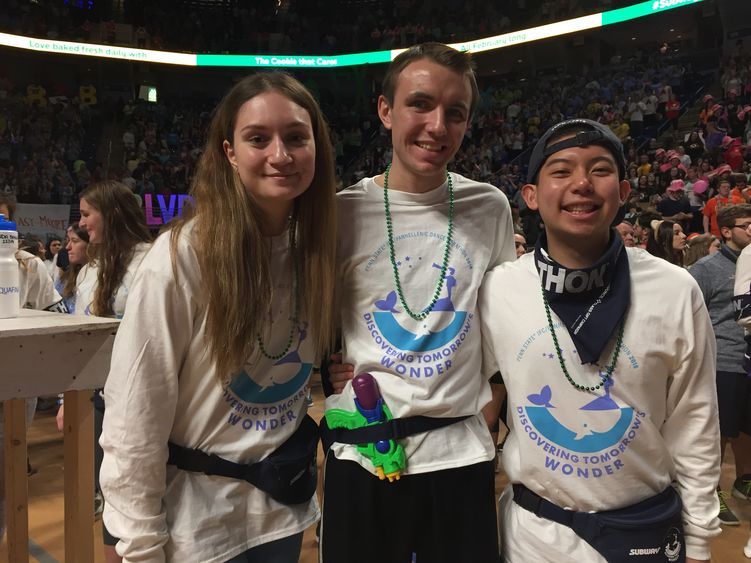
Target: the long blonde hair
pixel 124 226
pixel 233 256
pixel 697 248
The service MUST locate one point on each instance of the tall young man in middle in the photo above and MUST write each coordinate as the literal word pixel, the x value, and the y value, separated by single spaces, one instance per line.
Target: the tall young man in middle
pixel 415 243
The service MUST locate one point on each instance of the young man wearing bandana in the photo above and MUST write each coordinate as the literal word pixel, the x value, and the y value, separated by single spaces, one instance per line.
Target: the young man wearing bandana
pixel 608 358
pixel 414 245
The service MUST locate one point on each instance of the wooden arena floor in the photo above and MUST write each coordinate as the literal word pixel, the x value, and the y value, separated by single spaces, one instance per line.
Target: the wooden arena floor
pixel 46 501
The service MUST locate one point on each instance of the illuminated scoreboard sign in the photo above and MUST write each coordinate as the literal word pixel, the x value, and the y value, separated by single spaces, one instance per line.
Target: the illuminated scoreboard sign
pixel 317 61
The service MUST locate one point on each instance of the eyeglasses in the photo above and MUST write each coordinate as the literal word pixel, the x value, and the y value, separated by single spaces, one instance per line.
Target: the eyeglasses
pixel 744 226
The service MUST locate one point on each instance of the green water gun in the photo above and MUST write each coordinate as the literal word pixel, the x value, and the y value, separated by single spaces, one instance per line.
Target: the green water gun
pixel 386 455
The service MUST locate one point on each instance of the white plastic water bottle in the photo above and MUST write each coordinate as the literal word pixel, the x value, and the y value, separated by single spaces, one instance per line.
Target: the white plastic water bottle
pixel 10 301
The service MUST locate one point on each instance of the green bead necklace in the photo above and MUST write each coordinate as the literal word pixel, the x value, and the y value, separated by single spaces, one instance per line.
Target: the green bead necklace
pixel 610 368
pixel 392 255
pixel 295 278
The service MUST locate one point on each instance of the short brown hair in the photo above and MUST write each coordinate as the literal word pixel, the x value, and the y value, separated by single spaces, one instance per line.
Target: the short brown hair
pixel 727 215
pixel 459 61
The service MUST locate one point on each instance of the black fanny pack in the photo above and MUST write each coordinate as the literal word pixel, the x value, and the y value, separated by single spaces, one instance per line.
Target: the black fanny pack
pixel 289 474
pixel 650 531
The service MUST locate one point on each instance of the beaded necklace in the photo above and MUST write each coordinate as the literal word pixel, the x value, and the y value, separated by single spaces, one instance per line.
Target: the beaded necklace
pixel 295 297
pixel 392 254
pixel 610 368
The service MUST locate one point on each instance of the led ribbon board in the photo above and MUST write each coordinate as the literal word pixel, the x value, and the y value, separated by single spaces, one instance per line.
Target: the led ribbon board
pixel 319 61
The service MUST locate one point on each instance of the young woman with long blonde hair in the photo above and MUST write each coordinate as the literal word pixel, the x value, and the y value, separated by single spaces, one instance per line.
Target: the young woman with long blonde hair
pixel 228 313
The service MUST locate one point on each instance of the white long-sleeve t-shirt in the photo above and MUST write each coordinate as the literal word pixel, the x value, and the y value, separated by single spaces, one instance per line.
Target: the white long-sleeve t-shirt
pixel 608 449
pixel 430 367
pixel 163 387
pixel 35 284
pixel 86 283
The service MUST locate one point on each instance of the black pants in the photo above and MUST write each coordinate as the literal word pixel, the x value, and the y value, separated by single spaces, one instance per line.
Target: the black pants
pixel 444 516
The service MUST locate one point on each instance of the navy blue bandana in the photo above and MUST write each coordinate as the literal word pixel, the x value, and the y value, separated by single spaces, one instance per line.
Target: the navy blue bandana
pixel 591 301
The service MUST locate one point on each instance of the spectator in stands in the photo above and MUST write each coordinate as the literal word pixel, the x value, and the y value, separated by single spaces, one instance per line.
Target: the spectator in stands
pixel 521 244
pixel 667 241
pixel 54 244
pixel 626 232
pixel 694 146
pixel 650 109
pixel 33 245
pixel 77 248
pixel 697 199
pixel 645 167
pixel 715 204
pixel 698 246
pixel 643 228
pixel 715 275
pixel 740 186
pixel 685 160
pixel 673 110
pixel 714 136
pixel 636 110
pixel 675 206
pixel 733 152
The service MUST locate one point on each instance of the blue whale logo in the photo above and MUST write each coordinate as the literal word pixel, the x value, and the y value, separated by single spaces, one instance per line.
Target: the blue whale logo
pixel 554 431
pixel 403 339
pixel 251 392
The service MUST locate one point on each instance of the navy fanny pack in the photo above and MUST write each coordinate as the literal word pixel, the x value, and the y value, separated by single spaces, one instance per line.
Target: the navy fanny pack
pixel 650 531
pixel 289 474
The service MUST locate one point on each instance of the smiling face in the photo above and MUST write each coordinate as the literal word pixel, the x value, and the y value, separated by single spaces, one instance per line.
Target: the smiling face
pixel 273 151
pixel 428 118
pixel 92 221
pixel 578 195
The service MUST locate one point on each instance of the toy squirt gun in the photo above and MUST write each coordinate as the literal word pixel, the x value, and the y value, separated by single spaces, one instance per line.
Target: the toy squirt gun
pixel 386 455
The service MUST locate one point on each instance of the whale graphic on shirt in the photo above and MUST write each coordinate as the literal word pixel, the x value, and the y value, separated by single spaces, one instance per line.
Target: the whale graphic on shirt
pixel 595 417
pixel 273 381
